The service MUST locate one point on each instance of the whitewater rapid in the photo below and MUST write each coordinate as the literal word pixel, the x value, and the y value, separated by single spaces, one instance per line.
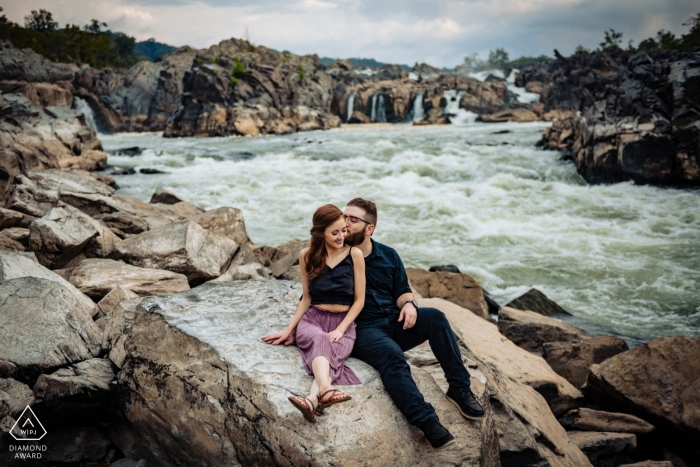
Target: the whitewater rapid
pixel 622 258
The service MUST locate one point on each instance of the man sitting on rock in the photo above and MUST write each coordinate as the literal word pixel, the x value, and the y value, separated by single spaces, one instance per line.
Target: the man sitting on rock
pixel 391 323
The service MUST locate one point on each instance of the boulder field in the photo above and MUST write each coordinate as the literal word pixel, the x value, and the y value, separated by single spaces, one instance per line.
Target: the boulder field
pixel 143 344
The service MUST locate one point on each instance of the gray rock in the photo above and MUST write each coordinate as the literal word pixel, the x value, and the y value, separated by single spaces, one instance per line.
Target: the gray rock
pixel 8 244
pixel 83 380
pixel 207 343
pixel 59 236
pixel 10 218
pixel 604 449
pixel 531 330
pixel 18 234
pixel 20 394
pixel 165 197
pixel 97 277
pixel 43 327
pixel 6 404
pixel 595 420
pixel 184 248
pixel 225 221
pixel 14 265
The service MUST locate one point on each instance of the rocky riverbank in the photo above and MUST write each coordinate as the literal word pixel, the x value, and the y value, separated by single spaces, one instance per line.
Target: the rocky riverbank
pixel 148 348
pixel 636 117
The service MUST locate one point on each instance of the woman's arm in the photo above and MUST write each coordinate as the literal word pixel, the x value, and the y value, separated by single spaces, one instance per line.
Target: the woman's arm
pixel 304 303
pixel 358 260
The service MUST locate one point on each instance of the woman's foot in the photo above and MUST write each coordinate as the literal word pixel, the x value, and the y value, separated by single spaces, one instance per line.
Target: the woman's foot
pixel 305 406
pixel 332 396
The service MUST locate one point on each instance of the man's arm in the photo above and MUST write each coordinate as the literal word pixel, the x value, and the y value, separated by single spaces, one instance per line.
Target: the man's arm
pixel 403 294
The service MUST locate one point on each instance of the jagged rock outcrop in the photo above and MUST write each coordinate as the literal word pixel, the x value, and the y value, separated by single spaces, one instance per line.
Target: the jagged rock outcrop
pixel 637 119
pixel 658 381
pixel 596 420
pixel 206 346
pixel 572 360
pixel 43 326
pixel 604 449
pixel 38 128
pixel 234 88
pixel 142 98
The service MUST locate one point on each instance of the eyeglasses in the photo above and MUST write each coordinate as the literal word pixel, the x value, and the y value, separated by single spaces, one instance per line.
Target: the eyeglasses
pixel 355 219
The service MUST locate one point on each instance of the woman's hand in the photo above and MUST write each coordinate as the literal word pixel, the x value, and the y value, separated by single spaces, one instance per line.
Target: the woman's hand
pixel 277 338
pixel 336 335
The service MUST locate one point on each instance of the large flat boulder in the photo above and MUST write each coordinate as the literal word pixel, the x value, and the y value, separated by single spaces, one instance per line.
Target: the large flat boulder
pixel 531 330
pixel 87 380
pixel 483 337
pixel 97 277
pixel 524 392
pixel 658 381
pixel 572 360
pixel 15 265
pixel 43 327
pixel 185 248
pixel 604 449
pixel 461 289
pixel 20 395
pixel 215 372
pixel 596 420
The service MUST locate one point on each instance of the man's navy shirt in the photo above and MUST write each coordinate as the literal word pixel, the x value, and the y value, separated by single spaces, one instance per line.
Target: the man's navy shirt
pixel 386 282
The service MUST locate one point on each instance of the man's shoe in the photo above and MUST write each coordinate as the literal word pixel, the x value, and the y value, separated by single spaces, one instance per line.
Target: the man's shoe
pixel 466 403
pixel 438 436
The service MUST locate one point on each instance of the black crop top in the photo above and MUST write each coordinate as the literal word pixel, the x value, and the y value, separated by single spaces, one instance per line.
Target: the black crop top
pixel 335 286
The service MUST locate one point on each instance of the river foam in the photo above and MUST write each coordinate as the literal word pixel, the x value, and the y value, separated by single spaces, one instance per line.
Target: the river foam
pixel 620 257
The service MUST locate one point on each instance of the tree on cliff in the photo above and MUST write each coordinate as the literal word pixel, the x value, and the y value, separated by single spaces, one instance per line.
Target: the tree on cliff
pixel 41 20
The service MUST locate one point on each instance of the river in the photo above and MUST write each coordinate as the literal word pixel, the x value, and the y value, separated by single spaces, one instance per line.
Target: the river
pixel 623 259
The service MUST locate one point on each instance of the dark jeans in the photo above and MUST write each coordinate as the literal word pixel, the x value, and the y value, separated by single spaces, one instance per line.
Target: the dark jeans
pixel 382 344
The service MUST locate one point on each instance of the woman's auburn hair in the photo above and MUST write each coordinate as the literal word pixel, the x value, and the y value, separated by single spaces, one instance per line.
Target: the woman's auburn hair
pixel 315 258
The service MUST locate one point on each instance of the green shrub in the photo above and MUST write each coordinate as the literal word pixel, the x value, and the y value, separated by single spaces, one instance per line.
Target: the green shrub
pixel 301 75
pixel 233 82
pixel 238 69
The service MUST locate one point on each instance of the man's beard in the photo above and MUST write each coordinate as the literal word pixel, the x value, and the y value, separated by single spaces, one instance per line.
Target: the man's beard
pixel 356 238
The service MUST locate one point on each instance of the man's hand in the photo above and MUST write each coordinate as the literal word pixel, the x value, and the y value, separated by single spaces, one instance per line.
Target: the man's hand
pixel 408 315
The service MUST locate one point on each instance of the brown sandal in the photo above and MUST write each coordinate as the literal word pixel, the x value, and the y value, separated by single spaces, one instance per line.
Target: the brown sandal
pixel 306 409
pixel 324 402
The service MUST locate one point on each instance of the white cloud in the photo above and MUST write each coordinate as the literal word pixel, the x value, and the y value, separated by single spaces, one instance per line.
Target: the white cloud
pixel 440 32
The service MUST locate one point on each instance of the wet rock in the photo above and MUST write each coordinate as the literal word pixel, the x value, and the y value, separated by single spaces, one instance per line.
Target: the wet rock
pixel 446 268
pixel 482 338
pixel 224 221
pixel 43 327
pixel 237 398
pixel 572 360
pixel 86 380
pixel 359 117
pixel 657 381
pixel 184 248
pixel 19 394
pixel 129 171
pixel 523 392
pixel 97 277
pixel 75 444
pixel 165 197
pixel 461 289
pixel 151 171
pixel 604 449
pixel 13 266
pixel 583 419
pixel 534 300
pixel 531 330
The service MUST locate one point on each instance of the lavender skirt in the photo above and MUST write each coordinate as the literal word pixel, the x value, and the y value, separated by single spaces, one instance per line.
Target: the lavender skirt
pixel 313 341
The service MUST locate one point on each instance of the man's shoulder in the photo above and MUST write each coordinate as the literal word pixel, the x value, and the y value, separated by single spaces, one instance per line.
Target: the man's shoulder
pixel 385 250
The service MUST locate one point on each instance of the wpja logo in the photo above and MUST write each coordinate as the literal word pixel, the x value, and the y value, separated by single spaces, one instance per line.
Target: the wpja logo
pixel 28 428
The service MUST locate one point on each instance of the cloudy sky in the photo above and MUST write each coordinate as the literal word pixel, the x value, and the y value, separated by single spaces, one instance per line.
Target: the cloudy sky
pixel 439 32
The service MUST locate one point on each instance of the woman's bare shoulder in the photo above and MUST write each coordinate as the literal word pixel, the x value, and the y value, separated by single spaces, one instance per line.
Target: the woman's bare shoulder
pixel 303 252
pixel 357 253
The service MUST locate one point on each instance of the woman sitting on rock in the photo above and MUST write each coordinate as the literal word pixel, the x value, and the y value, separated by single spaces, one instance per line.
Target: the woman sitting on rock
pixel 333 280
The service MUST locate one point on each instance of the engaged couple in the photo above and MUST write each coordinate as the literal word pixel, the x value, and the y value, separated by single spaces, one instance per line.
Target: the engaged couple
pixel 357 301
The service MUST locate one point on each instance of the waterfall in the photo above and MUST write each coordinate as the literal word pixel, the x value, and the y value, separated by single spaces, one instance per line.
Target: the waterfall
pixel 381 109
pixel 351 106
pixel 373 115
pixel 418 114
pixel 81 106
pixel 457 116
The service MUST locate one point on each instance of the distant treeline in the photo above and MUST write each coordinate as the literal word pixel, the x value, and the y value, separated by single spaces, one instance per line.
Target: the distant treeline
pixel 92 44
